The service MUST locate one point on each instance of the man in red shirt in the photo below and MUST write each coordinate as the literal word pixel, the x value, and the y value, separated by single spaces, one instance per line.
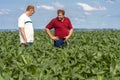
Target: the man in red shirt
pixel 62 29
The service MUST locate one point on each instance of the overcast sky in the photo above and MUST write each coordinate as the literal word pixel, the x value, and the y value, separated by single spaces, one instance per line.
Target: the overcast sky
pixel 90 14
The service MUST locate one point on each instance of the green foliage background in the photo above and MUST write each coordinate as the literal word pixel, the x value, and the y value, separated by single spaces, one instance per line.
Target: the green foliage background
pixel 90 55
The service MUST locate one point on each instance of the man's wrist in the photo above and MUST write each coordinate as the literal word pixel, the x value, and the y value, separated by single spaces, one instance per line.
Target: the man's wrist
pixel 51 36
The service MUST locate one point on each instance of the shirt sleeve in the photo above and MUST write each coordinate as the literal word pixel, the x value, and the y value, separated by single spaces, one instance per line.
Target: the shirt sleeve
pixel 70 25
pixel 50 25
pixel 20 22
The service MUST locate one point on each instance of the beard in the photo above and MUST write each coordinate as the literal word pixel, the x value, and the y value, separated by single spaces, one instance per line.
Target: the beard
pixel 60 19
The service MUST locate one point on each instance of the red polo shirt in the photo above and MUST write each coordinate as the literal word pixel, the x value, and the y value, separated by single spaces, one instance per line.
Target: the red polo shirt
pixel 61 27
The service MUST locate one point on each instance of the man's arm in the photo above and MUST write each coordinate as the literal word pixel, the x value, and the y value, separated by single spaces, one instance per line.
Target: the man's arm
pixel 70 33
pixel 23 35
pixel 70 30
pixel 50 35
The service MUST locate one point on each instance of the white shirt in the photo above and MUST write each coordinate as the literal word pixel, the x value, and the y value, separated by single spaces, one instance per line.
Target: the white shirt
pixel 25 22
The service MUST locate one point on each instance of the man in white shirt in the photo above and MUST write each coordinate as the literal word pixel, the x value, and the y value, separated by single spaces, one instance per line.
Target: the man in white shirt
pixel 26 26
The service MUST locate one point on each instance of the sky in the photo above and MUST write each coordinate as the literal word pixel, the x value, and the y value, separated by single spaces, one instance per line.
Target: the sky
pixel 85 14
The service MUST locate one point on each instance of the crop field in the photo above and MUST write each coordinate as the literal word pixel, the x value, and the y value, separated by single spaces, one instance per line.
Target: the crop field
pixel 90 55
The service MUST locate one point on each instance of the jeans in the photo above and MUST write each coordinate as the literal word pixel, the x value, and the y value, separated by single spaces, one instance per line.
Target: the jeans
pixel 27 44
pixel 59 43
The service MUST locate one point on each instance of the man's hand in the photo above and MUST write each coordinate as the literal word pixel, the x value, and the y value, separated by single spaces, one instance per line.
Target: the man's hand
pixel 70 33
pixel 66 38
pixel 23 35
pixel 51 36
pixel 54 38
pixel 25 42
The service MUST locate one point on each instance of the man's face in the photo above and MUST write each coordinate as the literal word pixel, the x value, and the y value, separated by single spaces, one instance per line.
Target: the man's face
pixel 32 11
pixel 60 16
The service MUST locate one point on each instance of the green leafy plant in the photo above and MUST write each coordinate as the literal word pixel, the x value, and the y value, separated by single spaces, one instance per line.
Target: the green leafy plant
pixel 90 55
